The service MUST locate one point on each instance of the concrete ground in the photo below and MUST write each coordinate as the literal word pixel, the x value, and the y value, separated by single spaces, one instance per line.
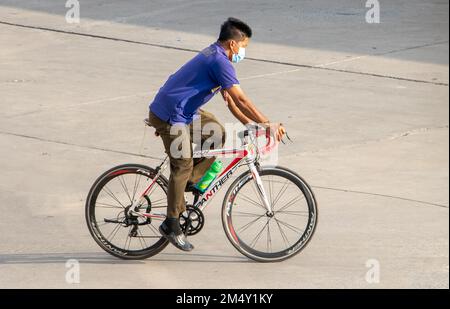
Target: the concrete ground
pixel 366 104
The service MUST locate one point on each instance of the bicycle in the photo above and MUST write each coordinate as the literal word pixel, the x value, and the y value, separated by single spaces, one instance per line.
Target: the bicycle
pixel 251 201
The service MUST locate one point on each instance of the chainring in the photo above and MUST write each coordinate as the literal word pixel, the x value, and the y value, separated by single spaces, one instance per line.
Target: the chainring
pixel 197 220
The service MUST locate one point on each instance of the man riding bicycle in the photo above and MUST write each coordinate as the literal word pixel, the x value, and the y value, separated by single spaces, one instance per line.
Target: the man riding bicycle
pixel 178 104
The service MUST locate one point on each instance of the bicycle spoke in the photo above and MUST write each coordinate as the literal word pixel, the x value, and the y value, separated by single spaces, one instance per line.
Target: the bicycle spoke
pixel 243 228
pixel 126 240
pixel 135 187
pixel 105 205
pixel 143 237
pixel 140 239
pixel 109 207
pixel 245 214
pixel 291 202
pixel 153 229
pixel 277 181
pixel 113 232
pixel 290 226
pixel 111 194
pixel 124 187
pixel 280 193
pixel 244 197
pixel 269 239
pixel 255 240
pixel 283 235
pixel 294 213
pixel 161 200
pixel 161 204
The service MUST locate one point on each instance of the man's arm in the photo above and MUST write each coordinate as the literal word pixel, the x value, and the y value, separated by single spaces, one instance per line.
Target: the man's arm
pixel 245 105
pixel 234 109
pixel 245 111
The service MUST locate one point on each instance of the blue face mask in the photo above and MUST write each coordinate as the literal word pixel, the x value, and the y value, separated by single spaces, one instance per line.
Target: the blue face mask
pixel 239 56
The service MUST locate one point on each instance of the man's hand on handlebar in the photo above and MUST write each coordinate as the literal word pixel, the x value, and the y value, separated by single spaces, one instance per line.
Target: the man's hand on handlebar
pixel 277 130
pixel 273 130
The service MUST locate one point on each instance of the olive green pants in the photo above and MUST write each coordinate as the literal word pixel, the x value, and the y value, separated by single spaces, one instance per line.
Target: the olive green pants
pixel 184 168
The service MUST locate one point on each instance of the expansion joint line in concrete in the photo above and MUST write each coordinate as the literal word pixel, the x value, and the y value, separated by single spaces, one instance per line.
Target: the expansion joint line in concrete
pixel 306 66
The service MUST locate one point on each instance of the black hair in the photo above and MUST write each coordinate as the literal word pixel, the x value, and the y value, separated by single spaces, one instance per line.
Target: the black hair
pixel 234 29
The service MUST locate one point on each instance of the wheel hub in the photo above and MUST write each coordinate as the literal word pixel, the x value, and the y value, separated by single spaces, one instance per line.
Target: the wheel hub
pixel 270 214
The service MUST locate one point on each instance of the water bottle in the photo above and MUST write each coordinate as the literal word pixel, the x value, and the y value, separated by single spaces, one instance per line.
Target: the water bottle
pixel 209 176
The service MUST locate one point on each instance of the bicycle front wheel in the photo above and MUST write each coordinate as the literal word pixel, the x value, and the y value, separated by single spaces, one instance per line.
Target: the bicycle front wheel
pixel 267 237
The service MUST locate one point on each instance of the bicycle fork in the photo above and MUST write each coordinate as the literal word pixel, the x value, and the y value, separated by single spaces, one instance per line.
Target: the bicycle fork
pixel 260 187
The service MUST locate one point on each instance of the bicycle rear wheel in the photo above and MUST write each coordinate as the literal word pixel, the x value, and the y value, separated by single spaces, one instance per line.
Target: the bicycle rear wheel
pixel 263 237
pixel 107 204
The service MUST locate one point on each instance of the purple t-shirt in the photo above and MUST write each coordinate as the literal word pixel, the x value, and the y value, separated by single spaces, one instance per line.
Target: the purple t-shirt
pixel 193 85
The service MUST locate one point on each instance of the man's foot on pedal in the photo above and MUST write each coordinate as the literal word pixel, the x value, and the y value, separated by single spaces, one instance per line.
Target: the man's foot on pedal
pixel 170 229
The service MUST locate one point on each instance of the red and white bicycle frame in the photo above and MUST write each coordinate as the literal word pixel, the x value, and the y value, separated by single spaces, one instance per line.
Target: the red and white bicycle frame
pixel 248 154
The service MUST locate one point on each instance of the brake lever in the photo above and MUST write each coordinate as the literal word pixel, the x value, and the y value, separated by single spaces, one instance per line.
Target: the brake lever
pixel 287 136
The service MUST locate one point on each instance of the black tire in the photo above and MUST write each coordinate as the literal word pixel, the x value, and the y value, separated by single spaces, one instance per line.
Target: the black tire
pixel 135 170
pixel 310 216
